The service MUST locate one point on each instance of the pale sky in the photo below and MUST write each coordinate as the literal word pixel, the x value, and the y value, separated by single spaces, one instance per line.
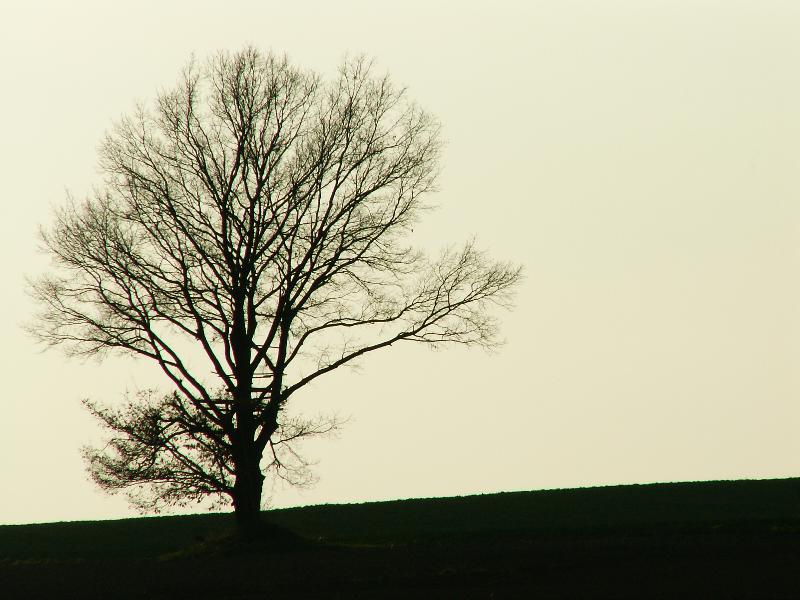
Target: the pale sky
pixel 640 158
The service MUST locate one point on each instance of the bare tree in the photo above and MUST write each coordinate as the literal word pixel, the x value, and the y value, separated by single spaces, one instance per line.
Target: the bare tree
pixel 249 238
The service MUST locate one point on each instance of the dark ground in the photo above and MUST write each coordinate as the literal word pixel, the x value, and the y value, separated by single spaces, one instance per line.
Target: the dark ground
pixel 701 540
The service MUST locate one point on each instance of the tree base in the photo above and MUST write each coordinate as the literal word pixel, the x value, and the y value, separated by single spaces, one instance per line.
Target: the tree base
pixel 264 538
pixel 267 534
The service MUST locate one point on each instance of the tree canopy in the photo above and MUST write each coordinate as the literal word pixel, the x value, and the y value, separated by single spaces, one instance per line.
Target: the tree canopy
pixel 250 236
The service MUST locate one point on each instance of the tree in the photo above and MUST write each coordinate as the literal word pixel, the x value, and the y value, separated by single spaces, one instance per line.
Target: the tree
pixel 249 238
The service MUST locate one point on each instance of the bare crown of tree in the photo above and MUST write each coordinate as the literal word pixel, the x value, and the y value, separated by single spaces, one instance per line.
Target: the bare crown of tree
pixel 250 236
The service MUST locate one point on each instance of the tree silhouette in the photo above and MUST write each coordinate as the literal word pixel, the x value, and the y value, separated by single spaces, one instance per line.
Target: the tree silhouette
pixel 249 238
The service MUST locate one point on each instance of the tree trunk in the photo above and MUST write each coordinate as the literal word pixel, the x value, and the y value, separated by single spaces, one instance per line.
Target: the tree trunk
pixel 247 491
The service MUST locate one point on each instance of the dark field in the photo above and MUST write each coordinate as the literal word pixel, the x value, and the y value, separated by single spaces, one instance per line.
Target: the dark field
pixel 702 540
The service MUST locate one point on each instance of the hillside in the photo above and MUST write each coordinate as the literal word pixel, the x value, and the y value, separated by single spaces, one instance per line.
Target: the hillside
pixel 741 535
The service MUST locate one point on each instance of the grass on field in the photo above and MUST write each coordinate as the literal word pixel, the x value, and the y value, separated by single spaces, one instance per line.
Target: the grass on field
pixel 633 510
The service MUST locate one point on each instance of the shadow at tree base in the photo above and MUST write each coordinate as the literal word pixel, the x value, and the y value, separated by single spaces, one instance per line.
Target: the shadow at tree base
pixel 259 539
